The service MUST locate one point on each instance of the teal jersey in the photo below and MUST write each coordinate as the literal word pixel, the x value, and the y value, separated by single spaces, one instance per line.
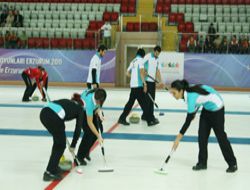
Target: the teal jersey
pixel 211 102
pixel 89 102
pixel 58 109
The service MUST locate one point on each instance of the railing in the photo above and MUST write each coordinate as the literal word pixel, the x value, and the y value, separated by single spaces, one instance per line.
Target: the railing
pixel 15 39
pixel 213 43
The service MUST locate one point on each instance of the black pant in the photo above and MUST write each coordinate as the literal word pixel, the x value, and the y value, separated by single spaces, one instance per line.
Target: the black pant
pixel 56 128
pixel 89 137
pixel 215 120
pixel 28 84
pixel 34 88
pixel 139 95
pixel 150 105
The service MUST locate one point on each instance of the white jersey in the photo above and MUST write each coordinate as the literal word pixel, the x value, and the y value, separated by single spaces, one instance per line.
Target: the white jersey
pixel 107 30
pixel 134 69
pixel 151 65
pixel 95 63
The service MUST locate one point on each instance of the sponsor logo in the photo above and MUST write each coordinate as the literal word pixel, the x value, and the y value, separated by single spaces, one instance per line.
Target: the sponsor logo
pixel 173 65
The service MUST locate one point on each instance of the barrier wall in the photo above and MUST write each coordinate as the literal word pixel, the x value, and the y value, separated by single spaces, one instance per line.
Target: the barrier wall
pixel 66 66
pixel 221 70
pixel 62 65
pixel 224 70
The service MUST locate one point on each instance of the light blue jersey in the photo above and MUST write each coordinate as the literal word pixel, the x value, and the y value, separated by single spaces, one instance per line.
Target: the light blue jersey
pixel 89 102
pixel 211 102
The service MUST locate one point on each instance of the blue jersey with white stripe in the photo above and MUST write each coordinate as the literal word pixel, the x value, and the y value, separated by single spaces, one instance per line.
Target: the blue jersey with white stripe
pixel 211 102
pixel 89 102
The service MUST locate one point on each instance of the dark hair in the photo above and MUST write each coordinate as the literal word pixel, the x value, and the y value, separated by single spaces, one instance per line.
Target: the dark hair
pixel 140 52
pixel 157 48
pixel 41 68
pixel 77 97
pixel 100 94
pixel 184 85
pixel 102 48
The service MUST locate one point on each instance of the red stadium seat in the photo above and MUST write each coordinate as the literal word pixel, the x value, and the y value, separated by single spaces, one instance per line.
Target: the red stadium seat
pixel 99 24
pixel 189 27
pixel 78 44
pixel 46 43
pixel 203 1
pixel 181 27
pixel 182 2
pixel 175 2
pixel 196 1
pixel 239 1
pixel 168 2
pixel 132 2
pixel 85 43
pixel 131 9
pixel 136 26
pixel 153 26
pixel 54 43
pixel 159 8
pixel 180 17
pixel 69 43
pixel 92 44
pixel 218 2
pixel 189 1
pixel 125 1
pixel 130 26
pixel 39 43
pixel 247 2
pixel 166 9
pixel 114 16
pixel 31 42
pixel 172 17
pixel 92 25
pixel 90 34
pixel 106 16
pixel 210 1
pixel 185 37
pixel 234 2
pixel 225 2
pixel 124 8
pixel 144 26
pixel 62 43
pixel 183 46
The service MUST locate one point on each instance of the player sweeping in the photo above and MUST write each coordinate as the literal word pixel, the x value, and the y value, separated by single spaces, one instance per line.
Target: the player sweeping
pixel 93 101
pixel 53 116
pixel 212 117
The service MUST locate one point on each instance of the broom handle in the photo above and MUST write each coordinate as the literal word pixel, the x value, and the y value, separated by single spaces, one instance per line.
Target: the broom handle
pixel 153 100
pixel 156 81
pixel 46 94
pixel 170 154
pixel 101 144
pixel 72 153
